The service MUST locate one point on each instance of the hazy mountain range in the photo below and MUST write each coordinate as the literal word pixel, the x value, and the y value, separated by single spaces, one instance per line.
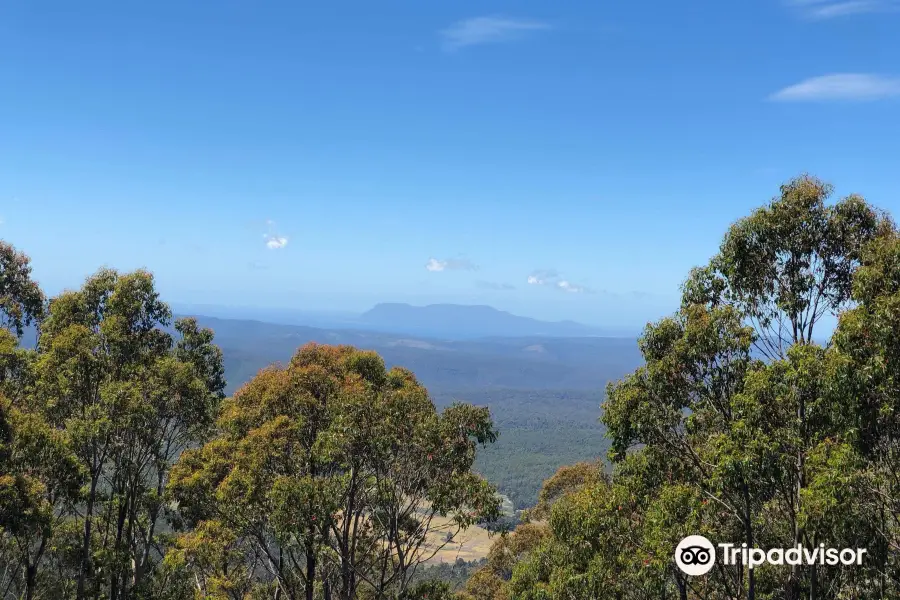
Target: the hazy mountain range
pixel 528 362
pixel 448 321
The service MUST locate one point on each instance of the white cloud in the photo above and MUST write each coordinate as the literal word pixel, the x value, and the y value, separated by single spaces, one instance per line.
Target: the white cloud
pixel 435 265
pixel 542 276
pixel 487 30
pixel 841 86
pixel 274 240
pixel 572 288
pixel 553 278
pixel 450 264
pixel 830 9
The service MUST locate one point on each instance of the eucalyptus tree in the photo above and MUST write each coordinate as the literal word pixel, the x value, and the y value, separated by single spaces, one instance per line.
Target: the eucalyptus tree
pixel 130 397
pixel 789 263
pixel 330 476
pixel 21 298
pixel 739 426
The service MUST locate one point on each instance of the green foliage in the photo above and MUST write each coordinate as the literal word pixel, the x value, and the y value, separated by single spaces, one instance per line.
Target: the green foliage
pixel 21 299
pixel 565 481
pixel 454 574
pixel 330 472
pixel 789 263
pixel 709 439
pixel 95 416
pixel 492 580
pixel 540 430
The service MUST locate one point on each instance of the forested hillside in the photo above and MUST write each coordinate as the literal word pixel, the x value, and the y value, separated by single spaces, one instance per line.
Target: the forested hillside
pixel 539 431
pixel 526 363
pixel 544 393
pixel 131 470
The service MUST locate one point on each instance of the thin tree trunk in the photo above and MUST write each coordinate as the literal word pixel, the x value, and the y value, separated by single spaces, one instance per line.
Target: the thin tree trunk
pixel 86 539
pixel 310 572
pixel 748 534
pixel 30 581
pixel 117 547
pixel 800 483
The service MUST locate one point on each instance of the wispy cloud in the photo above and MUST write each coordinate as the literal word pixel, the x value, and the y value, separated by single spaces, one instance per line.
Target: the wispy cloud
pixel 552 277
pixel 487 30
pixel 830 9
pixel 450 264
pixel 493 285
pixel 542 276
pixel 840 86
pixel 572 288
pixel 274 240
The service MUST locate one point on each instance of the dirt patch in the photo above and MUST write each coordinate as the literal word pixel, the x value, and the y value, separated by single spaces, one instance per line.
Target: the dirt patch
pixel 471 544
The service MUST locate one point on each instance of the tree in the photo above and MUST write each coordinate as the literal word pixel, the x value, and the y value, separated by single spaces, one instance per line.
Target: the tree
pixel 681 408
pixel 130 398
pixel 21 305
pixel 492 580
pixel 21 299
pixel 739 427
pixel 567 479
pixel 779 270
pixel 331 475
pixel 790 263
pixel 40 481
pixel 868 378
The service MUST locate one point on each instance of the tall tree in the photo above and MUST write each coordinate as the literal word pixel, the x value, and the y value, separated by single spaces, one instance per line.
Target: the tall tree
pixel 40 481
pixel 739 424
pixel 130 398
pixel 868 379
pixel 330 476
pixel 789 263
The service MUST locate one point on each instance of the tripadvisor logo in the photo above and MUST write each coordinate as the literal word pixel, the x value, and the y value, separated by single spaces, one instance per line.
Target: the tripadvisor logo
pixel 696 555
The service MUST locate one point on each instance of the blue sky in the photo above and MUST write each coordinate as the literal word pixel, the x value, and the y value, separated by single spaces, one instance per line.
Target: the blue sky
pixel 559 160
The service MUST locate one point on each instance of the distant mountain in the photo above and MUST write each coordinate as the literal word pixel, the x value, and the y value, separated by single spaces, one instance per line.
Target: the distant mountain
pixel 534 362
pixel 457 321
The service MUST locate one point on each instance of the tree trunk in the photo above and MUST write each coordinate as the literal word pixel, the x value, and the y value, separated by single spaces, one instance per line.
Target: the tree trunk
pixel 800 483
pixel 310 572
pixel 682 588
pixel 86 540
pixel 748 535
pixel 813 582
pixel 30 581
pixel 117 547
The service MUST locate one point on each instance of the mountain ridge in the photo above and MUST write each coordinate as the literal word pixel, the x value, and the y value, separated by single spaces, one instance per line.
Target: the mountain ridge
pixel 469 321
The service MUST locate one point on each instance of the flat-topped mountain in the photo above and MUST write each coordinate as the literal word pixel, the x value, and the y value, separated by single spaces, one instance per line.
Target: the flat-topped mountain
pixel 462 321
